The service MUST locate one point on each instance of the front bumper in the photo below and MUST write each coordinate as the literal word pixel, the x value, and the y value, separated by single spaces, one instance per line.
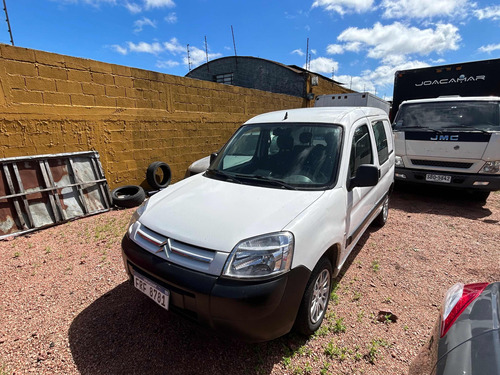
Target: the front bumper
pixel 251 310
pixel 458 180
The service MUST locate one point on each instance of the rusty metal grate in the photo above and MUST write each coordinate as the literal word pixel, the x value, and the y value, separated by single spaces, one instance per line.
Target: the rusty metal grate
pixel 43 190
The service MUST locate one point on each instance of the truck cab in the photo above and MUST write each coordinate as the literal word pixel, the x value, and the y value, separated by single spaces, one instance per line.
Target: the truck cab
pixel 452 141
pixel 250 246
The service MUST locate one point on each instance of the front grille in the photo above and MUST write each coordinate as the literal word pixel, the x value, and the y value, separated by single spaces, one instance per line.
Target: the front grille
pixel 439 163
pixel 180 253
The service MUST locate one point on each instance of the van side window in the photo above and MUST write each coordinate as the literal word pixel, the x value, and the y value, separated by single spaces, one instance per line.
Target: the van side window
pixel 361 151
pixel 381 141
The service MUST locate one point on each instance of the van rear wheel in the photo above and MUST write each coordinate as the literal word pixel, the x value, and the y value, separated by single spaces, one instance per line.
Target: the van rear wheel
pixel 381 218
pixel 315 300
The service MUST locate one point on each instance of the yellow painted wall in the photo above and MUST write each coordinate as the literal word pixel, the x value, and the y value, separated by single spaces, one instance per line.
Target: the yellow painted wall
pixel 53 103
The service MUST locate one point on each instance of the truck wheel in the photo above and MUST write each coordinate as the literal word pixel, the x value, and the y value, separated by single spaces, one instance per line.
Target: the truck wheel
pixel 381 218
pixel 315 300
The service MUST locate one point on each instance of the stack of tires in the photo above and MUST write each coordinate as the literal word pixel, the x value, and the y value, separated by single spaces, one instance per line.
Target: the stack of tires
pixel 158 176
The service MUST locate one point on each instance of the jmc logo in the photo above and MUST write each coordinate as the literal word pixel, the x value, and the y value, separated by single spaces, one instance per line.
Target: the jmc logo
pixel 444 138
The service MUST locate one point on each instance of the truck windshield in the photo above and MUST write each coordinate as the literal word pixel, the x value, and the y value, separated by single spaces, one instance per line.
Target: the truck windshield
pixel 464 115
pixel 289 156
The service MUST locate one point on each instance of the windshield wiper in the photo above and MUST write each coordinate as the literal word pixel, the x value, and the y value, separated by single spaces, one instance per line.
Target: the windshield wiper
pixel 270 181
pixel 226 176
pixel 468 127
pixel 403 128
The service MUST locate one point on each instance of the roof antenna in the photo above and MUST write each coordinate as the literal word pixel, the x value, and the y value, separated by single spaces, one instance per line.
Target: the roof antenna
pixel 234 46
pixel 206 53
pixel 286 116
pixel 234 43
pixel 307 53
pixel 189 58
pixel 8 22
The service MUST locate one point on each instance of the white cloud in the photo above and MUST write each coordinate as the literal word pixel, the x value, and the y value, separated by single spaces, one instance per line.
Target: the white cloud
pixel 165 64
pixel 334 49
pixel 380 80
pixel 133 7
pixel 438 61
pixel 159 4
pixel 492 13
pixel 384 41
pixel 353 46
pixel 198 56
pixel 344 6
pixel 143 47
pixel 139 24
pixel 298 52
pixel 356 83
pixel 313 51
pixel 174 47
pixel 121 50
pixel 323 65
pixel 423 8
pixel 171 18
pixel 489 48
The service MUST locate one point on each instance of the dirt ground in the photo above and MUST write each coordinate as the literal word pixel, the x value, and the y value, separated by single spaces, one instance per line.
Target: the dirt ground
pixel 66 306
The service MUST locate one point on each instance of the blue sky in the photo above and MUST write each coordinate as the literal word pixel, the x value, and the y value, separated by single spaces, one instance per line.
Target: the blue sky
pixel 362 41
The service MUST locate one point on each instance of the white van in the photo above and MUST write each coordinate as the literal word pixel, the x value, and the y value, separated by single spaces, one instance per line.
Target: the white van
pixel 250 247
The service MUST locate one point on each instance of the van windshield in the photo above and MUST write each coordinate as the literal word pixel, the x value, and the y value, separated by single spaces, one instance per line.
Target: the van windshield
pixel 290 156
pixel 463 115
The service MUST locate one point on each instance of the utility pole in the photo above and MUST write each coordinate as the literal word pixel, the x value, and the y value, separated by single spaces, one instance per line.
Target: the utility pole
pixel 8 22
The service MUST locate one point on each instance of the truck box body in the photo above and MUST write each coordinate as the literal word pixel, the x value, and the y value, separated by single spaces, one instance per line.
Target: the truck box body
pixel 477 78
pixel 446 123
pixel 355 99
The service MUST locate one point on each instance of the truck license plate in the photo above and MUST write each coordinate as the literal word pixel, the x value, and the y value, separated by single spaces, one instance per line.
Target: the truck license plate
pixel 154 291
pixel 438 178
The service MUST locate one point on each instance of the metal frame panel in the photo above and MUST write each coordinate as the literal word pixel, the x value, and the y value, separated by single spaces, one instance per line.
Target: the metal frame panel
pixel 44 190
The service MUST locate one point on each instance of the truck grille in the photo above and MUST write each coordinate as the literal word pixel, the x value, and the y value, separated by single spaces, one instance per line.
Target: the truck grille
pixel 438 163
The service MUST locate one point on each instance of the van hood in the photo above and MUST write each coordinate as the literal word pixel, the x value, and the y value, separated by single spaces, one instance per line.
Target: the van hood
pixel 216 214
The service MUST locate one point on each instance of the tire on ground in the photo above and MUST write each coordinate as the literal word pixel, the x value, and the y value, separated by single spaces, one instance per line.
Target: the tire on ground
pixel 158 175
pixel 128 196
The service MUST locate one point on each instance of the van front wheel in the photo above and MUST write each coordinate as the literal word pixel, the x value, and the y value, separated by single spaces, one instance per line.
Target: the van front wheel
pixel 315 300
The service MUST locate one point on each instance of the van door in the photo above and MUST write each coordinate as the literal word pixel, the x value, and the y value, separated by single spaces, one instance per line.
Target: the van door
pixel 360 200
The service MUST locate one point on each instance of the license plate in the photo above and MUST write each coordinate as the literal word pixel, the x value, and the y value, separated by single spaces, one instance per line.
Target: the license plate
pixel 154 291
pixel 438 178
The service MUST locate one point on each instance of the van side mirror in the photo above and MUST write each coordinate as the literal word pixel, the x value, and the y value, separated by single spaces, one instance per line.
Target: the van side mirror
pixel 366 175
pixel 213 155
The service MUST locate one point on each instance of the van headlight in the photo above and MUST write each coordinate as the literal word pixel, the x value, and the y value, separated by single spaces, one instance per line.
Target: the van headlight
pixel 398 161
pixel 491 167
pixel 263 256
pixel 137 214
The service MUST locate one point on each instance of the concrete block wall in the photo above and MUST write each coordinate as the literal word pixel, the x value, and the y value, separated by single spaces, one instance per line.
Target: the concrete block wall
pixel 52 103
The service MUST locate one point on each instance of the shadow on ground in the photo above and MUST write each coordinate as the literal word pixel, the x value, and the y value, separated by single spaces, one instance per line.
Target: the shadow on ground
pixel 124 332
pixel 439 201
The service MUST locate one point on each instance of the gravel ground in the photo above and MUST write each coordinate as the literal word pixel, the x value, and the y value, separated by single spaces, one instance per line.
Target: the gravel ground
pixel 66 307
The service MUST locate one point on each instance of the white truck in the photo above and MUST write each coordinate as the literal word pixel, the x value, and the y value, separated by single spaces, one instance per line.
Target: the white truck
pixel 250 246
pixel 353 99
pixel 443 134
